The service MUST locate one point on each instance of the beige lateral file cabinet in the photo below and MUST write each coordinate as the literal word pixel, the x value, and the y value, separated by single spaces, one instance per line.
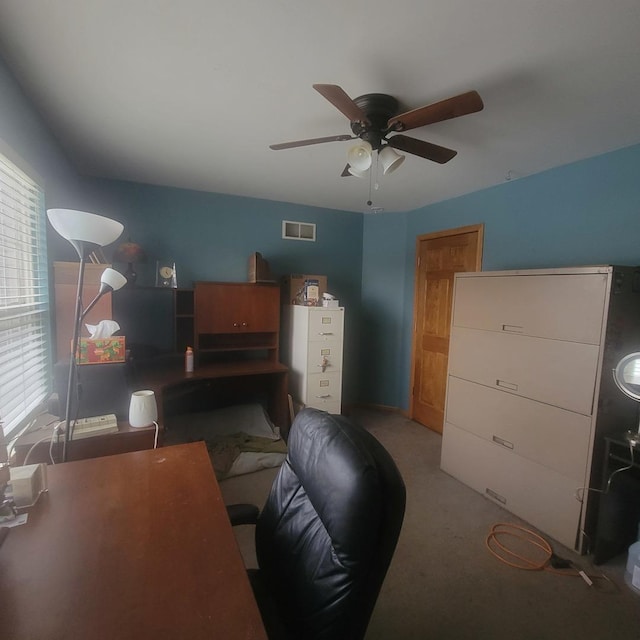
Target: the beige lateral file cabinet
pixel 530 394
pixel 314 344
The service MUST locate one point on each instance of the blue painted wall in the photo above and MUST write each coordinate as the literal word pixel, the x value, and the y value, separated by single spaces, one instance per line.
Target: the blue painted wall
pixel 211 236
pixel 584 213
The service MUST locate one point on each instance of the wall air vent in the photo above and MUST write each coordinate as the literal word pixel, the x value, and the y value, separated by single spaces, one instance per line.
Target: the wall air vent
pixel 298 230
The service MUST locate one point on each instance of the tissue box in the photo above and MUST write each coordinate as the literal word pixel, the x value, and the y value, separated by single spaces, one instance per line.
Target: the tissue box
pixel 99 350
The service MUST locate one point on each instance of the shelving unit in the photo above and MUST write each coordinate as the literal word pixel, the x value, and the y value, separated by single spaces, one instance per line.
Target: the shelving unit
pixel 183 313
pixel 156 317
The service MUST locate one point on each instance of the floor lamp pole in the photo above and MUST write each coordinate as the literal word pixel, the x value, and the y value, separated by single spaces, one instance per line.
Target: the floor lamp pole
pixel 71 385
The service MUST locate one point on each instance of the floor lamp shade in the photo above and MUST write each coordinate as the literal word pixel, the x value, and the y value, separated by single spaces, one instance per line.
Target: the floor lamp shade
pixel 81 227
pixel 112 279
pixel 143 410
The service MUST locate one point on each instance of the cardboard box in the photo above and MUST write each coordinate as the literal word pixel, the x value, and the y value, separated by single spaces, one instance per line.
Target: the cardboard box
pixel 99 350
pixel 259 269
pixel 293 287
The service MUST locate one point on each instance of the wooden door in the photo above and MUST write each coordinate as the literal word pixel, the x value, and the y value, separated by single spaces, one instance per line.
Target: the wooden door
pixel 438 256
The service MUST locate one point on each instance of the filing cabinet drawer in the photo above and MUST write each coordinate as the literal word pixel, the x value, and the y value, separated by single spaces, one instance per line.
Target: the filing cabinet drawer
pixel 324 354
pixel 322 387
pixel 326 324
pixel 330 405
pixel 534 493
pixel 552 371
pixel 553 437
pixel 522 303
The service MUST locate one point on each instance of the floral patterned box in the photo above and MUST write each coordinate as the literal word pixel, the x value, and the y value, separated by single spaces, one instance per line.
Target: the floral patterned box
pixel 99 350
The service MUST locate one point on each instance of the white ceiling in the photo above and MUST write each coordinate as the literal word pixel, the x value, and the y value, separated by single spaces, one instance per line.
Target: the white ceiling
pixel 190 93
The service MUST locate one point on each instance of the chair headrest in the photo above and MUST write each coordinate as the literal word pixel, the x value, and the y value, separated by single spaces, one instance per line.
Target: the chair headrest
pixel 327 534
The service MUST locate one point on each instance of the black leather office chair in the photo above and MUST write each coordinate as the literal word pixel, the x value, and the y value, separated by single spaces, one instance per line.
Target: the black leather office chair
pixel 326 536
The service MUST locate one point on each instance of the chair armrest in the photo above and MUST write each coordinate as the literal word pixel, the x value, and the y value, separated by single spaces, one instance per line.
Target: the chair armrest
pixel 242 514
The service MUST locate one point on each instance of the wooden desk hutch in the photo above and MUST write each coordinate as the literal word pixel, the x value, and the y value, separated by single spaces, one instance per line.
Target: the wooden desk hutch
pixel 236 317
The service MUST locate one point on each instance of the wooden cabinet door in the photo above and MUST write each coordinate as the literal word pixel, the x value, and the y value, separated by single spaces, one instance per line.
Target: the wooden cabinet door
pixel 236 308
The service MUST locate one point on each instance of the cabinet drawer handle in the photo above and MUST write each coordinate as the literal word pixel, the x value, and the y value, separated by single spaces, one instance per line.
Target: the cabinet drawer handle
pixel 325 333
pixel 324 395
pixel 512 328
pixel 504 443
pixel 512 386
pixel 495 496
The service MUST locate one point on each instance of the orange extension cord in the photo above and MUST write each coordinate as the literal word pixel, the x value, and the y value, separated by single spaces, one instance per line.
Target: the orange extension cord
pixel 501 530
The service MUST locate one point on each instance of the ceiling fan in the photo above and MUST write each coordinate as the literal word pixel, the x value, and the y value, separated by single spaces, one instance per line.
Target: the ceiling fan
pixel 375 120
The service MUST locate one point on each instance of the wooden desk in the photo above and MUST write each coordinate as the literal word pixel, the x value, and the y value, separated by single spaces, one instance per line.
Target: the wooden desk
pixel 126 439
pixel 173 386
pixel 132 546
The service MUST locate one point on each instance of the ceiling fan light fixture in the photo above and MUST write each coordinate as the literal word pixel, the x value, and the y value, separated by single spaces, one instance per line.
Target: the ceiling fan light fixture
pixel 390 159
pixel 358 174
pixel 359 157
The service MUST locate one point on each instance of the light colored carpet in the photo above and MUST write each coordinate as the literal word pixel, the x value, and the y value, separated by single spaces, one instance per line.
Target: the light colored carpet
pixel 443 583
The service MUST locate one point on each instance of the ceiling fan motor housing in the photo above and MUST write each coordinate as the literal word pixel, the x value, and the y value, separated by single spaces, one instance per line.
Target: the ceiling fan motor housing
pixel 379 108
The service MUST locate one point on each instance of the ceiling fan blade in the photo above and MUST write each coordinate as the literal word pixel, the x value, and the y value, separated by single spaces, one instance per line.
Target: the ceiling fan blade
pixel 304 143
pixel 461 105
pixel 342 102
pixel 421 148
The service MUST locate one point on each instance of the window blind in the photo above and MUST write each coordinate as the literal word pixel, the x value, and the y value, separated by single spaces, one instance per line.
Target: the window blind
pixel 25 360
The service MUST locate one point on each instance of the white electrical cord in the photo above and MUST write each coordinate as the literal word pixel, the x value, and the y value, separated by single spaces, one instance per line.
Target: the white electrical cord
pixel 25 462
pixel 580 491
pixel 155 440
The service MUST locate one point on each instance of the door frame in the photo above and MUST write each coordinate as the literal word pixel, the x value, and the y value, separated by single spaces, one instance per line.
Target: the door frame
pixel 479 229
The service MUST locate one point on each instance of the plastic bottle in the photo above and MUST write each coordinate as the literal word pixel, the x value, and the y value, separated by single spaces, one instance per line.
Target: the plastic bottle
pixel 188 360
pixel 632 572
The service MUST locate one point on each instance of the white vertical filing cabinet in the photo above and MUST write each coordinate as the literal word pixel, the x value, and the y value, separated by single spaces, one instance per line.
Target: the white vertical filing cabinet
pixel 313 340
pixel 530 394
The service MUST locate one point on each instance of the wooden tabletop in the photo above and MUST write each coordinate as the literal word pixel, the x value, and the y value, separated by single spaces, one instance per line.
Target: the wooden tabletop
pixel 161 376
pixel 170 377
pixel 136 545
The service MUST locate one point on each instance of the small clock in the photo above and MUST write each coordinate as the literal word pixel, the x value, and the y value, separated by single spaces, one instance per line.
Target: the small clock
pixel 166 274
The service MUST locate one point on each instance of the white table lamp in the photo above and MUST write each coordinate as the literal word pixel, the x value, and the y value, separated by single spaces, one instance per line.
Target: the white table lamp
pixel 143 411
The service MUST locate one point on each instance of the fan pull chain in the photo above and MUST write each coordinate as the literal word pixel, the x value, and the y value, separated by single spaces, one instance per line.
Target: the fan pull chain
pixel 373 170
